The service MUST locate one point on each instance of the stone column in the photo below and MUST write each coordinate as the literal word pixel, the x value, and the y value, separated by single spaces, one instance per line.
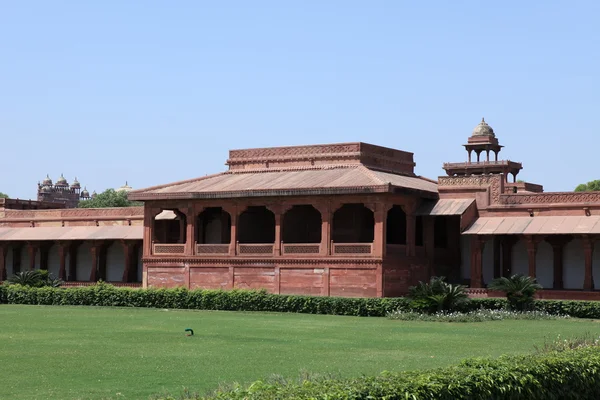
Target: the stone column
pixel 3 250
pixel 190 237
pixel 477 246
pixel 588 248
pixel 233 214
pixel 127 252
pixel 94 254
pixel 62 259
pixel 44 250
pixel 148 230
pixel 325 211
pixel 532 245
pixel 278 211
pixel 32 249
pixel 379 214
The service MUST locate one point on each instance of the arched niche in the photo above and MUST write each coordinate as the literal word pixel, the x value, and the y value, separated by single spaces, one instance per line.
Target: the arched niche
pixel 353 223
pixel 301 224
pixel 256 225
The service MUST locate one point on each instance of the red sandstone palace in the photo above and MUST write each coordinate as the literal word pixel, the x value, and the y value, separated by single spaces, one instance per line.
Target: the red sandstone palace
pixel 349 219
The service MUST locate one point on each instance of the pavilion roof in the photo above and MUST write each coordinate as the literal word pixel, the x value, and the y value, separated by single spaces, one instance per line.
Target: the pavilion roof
pixel 115 232
pixel 290 181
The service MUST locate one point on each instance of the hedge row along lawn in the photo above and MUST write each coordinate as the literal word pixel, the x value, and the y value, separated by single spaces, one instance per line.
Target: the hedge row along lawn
pixel 66 352
pixel 249 300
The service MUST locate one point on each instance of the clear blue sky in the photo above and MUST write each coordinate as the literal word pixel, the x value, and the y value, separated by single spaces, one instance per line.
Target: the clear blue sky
pixel 158 91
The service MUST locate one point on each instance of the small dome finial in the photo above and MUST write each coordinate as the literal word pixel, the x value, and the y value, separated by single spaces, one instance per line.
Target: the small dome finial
pixel 482 119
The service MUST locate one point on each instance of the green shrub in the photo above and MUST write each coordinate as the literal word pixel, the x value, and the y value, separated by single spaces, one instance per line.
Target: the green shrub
pixel 519 290
pixel 437 296
pixel 37 278
pixel 568 374
pixel 104 294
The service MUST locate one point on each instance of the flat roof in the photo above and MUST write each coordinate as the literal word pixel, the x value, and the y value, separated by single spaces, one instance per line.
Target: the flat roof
pixel 72 233
pixel 551 225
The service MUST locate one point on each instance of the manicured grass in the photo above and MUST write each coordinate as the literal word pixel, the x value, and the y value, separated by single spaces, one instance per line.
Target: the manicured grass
pixel 64 352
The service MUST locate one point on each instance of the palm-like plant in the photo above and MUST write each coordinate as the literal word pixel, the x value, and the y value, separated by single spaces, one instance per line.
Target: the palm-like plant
pixel 437 295
pixel 519 290
pixel 26 278
pixel 37 278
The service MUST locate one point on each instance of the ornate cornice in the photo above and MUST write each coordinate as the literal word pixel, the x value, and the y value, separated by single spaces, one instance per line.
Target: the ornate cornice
pixel 493 182
pixel 551 198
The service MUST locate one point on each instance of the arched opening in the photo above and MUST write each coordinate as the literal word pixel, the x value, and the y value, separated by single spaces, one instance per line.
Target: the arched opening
pixel 301 224
pixel 169 227
pixel 440 232
pixel 214 226
pixel 353 223
pixel 256 225
pixel 396 226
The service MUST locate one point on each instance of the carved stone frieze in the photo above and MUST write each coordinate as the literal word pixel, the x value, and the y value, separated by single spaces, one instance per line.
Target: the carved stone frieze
pixel 494 182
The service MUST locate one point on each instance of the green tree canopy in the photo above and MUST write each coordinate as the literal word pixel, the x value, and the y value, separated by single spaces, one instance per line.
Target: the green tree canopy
pixel 109 198
pixel 3 195
pixel 588 187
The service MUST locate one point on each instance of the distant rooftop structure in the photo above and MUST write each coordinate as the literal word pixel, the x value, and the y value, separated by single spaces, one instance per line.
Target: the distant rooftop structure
pixel 124 188
pixel 61 192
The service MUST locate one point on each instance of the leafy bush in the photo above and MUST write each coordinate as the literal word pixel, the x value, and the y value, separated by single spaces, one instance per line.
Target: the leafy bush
pixel 104 294
pixel 37 278
pixel 437 296
pixel 569 374
pixel 471 316
pixel 519 290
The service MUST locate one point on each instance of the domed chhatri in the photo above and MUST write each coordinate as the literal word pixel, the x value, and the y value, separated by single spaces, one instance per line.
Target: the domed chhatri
pixel 483 129
pixel 62 181
pixel 124 188
pixel 47 181
pixel 84 193
pixel 76 184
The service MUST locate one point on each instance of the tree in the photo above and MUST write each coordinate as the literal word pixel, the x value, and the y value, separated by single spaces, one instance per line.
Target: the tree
pixel 519 290
pixel 588 187
pixel 3 195
pixel 109 198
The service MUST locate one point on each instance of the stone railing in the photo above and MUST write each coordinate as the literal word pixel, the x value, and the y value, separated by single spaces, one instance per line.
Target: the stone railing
pixel 300 248
pixel 351 249
pixel 551 198
pixel 117 284
pixel 261 249
pixel 168 248
pixel 222 249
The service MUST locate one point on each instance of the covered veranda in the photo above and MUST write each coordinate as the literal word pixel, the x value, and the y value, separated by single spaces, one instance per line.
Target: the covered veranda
pixel 561 252
pixel 76 254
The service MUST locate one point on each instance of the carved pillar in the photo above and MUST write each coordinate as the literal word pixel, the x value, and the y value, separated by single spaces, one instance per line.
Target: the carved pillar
pixel 278 212
pixel 588 248
pixel 190 237
pixel 477 246
pixel 94 254
pixel 532 245
pixel 32 249
pixel 411 231
pixel 233 214
pixel 379 214
pixel 508 243
pixel 325 211
pixel 3 250
pixel 127 252
pixel 62 260
pixel 148 230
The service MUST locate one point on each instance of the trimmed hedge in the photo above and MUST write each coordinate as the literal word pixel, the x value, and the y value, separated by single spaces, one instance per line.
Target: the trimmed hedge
pixel 104 294
pixel 572 374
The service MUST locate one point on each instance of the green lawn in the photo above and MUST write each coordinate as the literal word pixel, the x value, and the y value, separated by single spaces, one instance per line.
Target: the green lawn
pixel 51 352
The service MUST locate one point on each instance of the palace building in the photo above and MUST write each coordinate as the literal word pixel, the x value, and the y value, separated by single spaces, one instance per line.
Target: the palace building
pixel 349 219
